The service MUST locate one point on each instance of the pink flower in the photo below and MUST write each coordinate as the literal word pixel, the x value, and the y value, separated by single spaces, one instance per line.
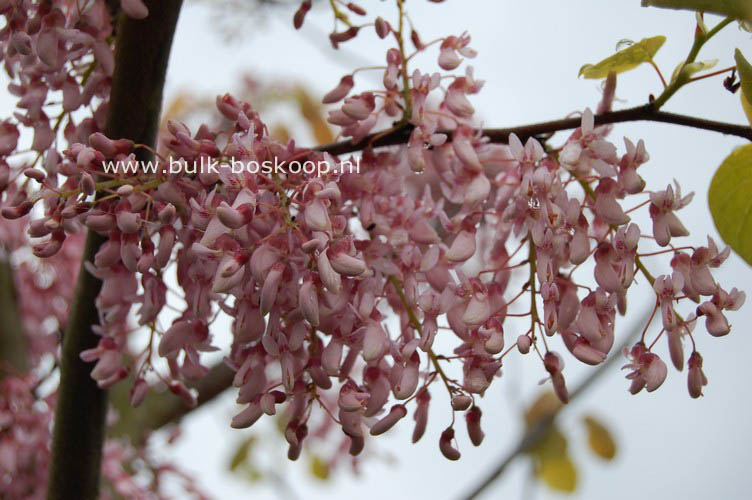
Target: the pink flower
pixel 662 206
pixel 648 370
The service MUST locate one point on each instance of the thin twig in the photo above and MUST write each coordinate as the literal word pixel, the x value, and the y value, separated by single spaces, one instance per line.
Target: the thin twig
pixel 501 135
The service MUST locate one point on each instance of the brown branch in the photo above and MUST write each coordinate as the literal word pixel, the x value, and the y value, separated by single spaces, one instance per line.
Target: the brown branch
pixel 159 410
pixel 501 135
pixel 541 428
pixel 13 356
pixel 142 51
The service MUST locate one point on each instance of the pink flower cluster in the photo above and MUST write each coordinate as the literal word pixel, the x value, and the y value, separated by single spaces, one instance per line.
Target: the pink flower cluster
pixel 431 233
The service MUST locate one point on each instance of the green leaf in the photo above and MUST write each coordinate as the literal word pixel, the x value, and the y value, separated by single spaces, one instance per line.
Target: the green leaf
pixel 600 439
pixel 730 200
pixel 738 9
pixel 745 75
pixel 625 59
pixel 685 71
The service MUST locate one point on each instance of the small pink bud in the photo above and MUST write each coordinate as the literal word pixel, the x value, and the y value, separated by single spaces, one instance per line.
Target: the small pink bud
pixel 134 9
pixel 446 446
pixel 247 417
pixel 340 91
pixel 35 174
pixel 101 223
pixel 395 415
pixel 374 342
pixel 461 402
pixel 463 247
pixel 128 222
pixel 187 395
pixel 421 414
pixel 382 27
pixel 478 311
pixel 309 302
pixel 234 218
pixel 125 190
pixel 696 379
pixel 472 418
pixel 343 36
pixel 51 246
pixel 357 443
pixel 17 211
pixel 655 371
pixel 346 265
pixel 359 107
pixel 332 357
pixel 299 17
pixel 270 287
pixel 523 344
pixel 167 214
pixel 408 381
pixel 138 392
pixel 317 216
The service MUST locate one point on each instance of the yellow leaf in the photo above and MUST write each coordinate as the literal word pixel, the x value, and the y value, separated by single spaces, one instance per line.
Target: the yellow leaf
pixel 280 133
pixel 559 474
pixel 319 468
pixel 600 439
pixel 551 446
pixel 546 405
pixel 240 456
pixel 626 59
pixel 730 200
pixel 745 75
pixel 747 107
pixel 313 113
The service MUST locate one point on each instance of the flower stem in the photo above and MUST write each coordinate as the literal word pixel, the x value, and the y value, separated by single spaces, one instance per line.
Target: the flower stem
pixel 416 324
pixel 680 80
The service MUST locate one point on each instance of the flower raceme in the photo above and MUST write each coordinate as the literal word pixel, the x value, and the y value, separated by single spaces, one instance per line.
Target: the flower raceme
pixel 436 233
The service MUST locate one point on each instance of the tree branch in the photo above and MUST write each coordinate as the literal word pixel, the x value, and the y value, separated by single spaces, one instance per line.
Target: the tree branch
pixel 142 51
pixel 165 408
pixel 541 428
pixel 13 356
pixel 501 135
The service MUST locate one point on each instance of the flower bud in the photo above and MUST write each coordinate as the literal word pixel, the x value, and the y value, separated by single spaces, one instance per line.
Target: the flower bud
pixel 247 417
pixel 382 27
pixel 395 415
pixel 421 414
pixel 340 91
pixel 446 446
pixel 523 344
pixel 696 379
pixel 138 392
pixel 461 402
pixel 299 17
pixel 472 418
pixel 346 265
pixel 135 9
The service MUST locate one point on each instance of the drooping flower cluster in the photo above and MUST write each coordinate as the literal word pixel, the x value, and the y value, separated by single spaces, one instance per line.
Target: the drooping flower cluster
pixel 310 265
